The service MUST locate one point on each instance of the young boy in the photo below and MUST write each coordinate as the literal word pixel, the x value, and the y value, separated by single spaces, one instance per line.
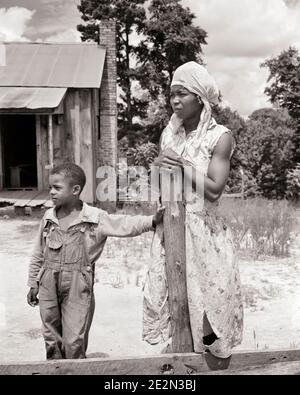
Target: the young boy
pixel 71 238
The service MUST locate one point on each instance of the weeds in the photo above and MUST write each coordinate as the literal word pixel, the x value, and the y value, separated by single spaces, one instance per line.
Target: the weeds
pixel 263 227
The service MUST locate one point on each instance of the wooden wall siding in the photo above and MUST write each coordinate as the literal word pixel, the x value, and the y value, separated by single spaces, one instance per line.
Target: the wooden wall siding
pixel 86 147
pixel 50 141
pixel 39 153
pixel 75 117
pixel 58 132
pixel 59 153
pixel 95 135
pixel 78 132
pixel 42 140
pixel 72 138
pixel 68 127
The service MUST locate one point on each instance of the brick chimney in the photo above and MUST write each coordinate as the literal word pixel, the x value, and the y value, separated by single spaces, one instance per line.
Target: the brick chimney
pixel 107 153
pixel 108 95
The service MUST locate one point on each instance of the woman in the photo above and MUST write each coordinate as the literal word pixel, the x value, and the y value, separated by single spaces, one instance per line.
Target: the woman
pixel 193 138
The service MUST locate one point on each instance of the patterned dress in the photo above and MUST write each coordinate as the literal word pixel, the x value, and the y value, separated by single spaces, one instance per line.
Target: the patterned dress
pixel 213 282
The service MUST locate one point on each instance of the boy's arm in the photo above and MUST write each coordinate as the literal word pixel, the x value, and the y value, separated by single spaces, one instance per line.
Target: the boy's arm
pixel 124 225
pixel 37 259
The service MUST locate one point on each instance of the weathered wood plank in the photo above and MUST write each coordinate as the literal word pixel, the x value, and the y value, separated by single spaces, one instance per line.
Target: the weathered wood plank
pixel 86 144
pixel 284 368
pixel 57 149
pixel 281 362
pixel 60 109
pixel 40 111
pixel 12 197
pixel 28 196
pixel 68 126
pixel 44 152
pixel 75 113
pixel 95 135
pixel 39 200
pixel 6 197
pixel 50 141
pixel 36 203
pixel 40 170
pixel 174 237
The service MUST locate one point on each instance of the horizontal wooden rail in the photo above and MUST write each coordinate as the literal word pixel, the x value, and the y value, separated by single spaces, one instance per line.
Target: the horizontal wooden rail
pixel 269 362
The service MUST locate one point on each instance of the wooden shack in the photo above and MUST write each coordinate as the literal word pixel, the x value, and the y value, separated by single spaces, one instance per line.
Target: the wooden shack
pixel 57 104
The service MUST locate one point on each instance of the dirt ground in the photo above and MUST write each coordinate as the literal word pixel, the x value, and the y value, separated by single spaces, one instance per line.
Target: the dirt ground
pixel 271 296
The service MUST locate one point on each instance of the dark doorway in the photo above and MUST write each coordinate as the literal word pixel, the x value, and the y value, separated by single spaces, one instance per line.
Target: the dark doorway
pixel 18 138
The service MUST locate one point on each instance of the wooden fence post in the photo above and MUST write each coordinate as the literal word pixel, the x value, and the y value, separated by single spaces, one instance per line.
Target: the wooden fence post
pixel 175 249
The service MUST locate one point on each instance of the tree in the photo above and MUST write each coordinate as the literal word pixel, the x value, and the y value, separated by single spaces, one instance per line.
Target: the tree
pixel 129 16
pixel 269 150
pixel 156 120
pixel 170 40
pixel 239 161
pixel 285 81
pixel 284 90
pixel 293 183
pixel 264 150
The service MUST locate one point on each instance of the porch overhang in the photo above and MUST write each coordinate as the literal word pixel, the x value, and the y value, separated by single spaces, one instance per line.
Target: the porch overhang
pixel 31 100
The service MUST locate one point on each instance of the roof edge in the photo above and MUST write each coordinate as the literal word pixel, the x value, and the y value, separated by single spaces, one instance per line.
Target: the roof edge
pixel 51 43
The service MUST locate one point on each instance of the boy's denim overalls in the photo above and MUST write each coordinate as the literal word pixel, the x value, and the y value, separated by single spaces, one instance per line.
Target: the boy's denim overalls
pixel 63 266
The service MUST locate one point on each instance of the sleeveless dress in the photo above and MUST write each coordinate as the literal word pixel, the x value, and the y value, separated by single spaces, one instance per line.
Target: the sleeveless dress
pixel 213 281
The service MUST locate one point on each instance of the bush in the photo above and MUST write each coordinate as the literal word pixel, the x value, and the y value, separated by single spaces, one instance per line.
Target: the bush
pixel 143 155
pixel 234 184
pixel 261 226
pixel 293 183
pixel 269 150
pixel 136 171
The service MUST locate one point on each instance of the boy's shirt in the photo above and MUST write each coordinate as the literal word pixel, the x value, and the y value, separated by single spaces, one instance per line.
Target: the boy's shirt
pixel 97 225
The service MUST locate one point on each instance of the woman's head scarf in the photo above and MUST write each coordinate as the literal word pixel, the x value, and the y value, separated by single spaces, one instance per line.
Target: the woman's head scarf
pixel 196 79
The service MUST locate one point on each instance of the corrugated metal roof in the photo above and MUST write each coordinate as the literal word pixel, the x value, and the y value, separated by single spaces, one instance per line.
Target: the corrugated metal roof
pixel 30 98
pixel 52 65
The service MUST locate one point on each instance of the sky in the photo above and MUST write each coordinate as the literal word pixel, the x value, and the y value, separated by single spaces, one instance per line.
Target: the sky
pixel 241 35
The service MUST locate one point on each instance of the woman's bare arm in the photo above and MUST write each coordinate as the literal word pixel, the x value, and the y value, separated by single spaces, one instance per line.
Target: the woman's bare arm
pixel 218 169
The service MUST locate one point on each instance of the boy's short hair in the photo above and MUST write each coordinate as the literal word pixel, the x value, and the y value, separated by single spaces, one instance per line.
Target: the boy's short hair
pixel 71 171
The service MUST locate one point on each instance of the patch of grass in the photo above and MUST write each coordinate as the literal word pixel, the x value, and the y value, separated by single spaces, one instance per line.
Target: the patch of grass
pixel 33 334
pixel 263 227
pixel 294 346
pixel 251 296
pixel 271 292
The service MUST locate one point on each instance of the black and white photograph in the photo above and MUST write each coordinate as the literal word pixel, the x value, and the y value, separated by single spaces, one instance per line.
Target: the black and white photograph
pixel 150 190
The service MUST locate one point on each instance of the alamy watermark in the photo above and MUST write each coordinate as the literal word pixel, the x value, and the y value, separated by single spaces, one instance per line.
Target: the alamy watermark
pixel 138 184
